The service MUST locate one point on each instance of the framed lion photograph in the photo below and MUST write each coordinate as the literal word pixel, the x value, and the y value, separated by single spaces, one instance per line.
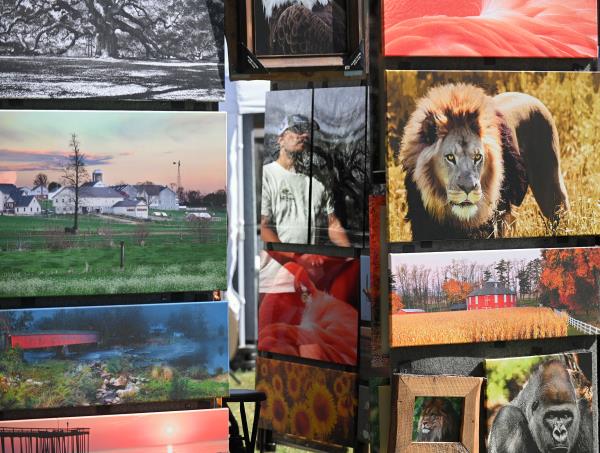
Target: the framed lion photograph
pixel 477 155
pixel 435 414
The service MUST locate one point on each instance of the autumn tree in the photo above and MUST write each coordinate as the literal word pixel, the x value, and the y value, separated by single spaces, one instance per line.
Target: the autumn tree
pixel 75 174
pixel 570 278
pixel 40 180
pixel 456 291
pixel 395 303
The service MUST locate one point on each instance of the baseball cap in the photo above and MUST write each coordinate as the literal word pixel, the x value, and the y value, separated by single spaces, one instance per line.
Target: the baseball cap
pixel 300 122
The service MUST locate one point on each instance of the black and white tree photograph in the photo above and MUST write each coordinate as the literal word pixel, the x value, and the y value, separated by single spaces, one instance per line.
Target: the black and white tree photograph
pixel 112 49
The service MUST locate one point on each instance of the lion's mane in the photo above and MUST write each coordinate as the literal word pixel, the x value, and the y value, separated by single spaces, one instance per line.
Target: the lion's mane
pixel 441 110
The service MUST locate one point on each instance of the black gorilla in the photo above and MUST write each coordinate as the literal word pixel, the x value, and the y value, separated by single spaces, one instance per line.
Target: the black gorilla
pixel 545 417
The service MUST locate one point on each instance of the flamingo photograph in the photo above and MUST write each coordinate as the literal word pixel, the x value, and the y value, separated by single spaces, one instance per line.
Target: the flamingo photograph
pixel 491 28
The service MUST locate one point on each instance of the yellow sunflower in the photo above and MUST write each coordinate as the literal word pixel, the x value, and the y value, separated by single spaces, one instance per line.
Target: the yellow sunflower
pixel 341 387
pixel 289 367
pixel 300 424
pixel 265 406
pixel 345 406
pixel 263 368
pixel 280 414
pixel 277 384
pixel 322 409
pixel 294 387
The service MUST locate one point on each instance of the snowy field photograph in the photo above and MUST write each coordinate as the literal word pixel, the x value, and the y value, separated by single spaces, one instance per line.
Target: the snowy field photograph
pixel 112 49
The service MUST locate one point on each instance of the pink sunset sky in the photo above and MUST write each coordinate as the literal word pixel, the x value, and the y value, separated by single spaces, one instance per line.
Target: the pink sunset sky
pixel 194 431
pixel 128 147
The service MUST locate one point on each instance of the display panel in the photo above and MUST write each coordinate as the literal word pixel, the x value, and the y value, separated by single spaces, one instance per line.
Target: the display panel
pixel 492 154
pixel 496 295
pixel 85 356
pixel 308 306
pixel 542 403
pixel 480 28
pixel 314 167
pixel 193 431
pixel 150 194
pixel 137 50
pixel 307 403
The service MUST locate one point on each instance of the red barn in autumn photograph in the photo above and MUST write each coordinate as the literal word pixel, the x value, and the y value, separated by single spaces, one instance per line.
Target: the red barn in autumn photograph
pixel 491 295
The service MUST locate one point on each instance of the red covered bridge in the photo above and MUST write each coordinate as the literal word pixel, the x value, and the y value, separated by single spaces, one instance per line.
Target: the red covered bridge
pixel 50 338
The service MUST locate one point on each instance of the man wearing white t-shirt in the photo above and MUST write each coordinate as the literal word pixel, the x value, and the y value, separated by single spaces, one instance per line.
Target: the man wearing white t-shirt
pixel 286 193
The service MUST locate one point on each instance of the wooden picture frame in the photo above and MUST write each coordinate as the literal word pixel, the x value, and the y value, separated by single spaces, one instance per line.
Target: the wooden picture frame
pixel 247 61
pixel 405 388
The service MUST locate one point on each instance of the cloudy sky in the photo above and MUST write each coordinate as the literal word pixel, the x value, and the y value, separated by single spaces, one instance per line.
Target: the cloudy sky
pixel 442 259
pixel 128 147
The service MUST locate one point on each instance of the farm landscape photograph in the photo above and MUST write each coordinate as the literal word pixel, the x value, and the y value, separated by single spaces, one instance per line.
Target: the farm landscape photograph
pixel 440 298
pixel 111 202
pixel 70 357
pixel 112 49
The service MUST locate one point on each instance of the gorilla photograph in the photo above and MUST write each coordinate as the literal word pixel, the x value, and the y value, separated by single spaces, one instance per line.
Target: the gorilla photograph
pixel 541 404
pixel 477 155
pixel 437 419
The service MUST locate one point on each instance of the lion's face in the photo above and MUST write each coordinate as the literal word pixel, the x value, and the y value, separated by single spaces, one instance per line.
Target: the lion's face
pixel 438 421
pixel 451 143
pixel 459 160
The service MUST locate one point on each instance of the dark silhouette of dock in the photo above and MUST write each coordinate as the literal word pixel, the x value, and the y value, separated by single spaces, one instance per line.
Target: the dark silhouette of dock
pixel 44 440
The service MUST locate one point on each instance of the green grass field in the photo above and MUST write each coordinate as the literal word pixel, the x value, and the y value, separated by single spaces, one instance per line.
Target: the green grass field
pixel 39 259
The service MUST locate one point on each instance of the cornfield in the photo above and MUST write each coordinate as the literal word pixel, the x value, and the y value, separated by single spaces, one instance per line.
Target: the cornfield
pixel 474 326
pixel 574 101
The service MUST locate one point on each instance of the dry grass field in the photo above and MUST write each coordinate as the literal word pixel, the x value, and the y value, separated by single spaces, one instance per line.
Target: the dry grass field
pixel 573 99
pixel 477 326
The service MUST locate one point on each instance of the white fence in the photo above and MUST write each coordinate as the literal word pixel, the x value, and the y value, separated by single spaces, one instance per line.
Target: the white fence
pixel 585 328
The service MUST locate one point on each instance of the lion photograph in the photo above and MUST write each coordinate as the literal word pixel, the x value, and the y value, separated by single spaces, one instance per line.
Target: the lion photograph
pixel 437 419
pixel 477 155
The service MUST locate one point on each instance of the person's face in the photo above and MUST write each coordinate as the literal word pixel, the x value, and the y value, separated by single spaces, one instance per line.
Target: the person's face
pixel 294 140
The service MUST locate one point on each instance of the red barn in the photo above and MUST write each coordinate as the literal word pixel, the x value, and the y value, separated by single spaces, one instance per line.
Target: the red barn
pixel 491 295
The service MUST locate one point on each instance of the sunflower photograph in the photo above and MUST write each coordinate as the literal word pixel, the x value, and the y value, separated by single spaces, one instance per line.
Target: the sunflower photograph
pixel 307 403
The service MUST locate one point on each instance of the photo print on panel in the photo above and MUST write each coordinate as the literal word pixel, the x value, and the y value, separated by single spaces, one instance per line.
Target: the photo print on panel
pixel 313 176
pixel 475 155
pixel 542 403
pixel 299 28
pixel 499 295
pixel 488 28
pixel 308 306
pixel 193 431
pixel 91 356
pixel 307 403
pixel 138 50
pixel 130 175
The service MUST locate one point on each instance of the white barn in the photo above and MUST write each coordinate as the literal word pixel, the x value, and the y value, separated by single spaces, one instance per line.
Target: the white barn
pixel 27 205
pixel 131 208
pixel 158 197
pixel 97 200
